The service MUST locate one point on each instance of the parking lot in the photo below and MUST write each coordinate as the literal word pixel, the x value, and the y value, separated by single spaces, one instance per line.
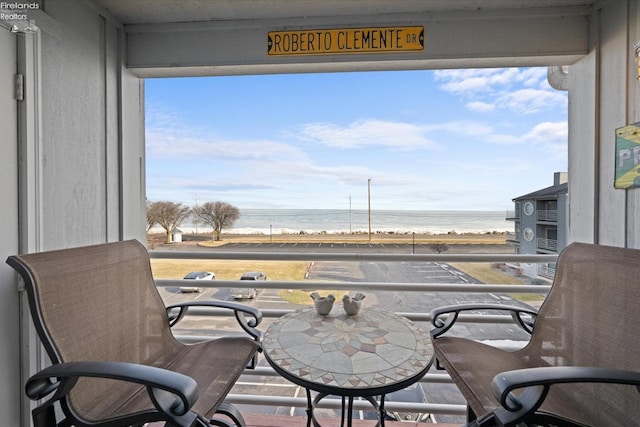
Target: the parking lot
pixel 409 272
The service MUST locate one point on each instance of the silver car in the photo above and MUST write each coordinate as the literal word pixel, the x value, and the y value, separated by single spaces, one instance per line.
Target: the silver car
pixel 241 293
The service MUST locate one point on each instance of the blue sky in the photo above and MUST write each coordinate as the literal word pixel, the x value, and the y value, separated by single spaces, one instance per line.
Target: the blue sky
pixel 434 140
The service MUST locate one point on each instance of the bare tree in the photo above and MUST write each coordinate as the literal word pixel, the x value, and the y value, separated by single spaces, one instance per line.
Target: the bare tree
pixel 152 215
pixel 218 215
pixel 168 215
pixel 439 247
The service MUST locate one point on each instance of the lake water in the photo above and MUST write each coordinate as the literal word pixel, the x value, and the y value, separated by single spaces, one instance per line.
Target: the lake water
pixel 289 221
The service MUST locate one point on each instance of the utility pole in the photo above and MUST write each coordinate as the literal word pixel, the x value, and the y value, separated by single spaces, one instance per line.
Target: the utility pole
pixel 369 201
pixel 349 213
pixel 195 217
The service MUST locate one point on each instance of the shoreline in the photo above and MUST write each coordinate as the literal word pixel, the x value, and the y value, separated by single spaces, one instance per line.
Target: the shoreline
pixel 450 238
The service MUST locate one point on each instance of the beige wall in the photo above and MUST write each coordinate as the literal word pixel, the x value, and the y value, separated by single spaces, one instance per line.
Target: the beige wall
pixel 81 174
pixel 633 116
pixel 88 143
pixel 603 96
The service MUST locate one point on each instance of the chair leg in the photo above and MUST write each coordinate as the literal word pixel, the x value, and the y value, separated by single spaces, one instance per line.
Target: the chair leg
pixel 486 421
pixel 471 416
pixel 44 416
pixel 231 412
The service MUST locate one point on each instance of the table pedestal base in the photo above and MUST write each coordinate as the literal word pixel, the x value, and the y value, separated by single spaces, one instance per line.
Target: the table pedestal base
pixel 311 404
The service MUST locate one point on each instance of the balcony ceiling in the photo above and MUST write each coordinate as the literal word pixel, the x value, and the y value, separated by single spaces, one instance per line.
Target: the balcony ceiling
pixel 231 33
pixel 172 11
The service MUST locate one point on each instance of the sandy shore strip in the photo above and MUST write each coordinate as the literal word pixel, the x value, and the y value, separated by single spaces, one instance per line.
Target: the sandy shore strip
pixel 494 242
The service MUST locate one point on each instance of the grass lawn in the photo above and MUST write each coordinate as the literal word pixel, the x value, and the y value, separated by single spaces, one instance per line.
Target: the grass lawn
pixel 229 269
pixel 298 296
pixel 485 273
pixel 233 269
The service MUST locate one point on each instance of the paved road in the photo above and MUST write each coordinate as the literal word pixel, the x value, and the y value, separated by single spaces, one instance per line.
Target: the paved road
pixel 398 248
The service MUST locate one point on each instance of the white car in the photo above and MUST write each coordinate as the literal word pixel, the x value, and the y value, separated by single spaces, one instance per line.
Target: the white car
pixel 197 275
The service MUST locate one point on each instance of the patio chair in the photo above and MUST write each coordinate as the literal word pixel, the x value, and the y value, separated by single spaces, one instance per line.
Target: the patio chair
pixel 115 361
pixel 581 366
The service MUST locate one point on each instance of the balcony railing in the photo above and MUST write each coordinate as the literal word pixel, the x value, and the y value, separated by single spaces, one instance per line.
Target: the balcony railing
pixel 548 215
pixel 547 244
pixel 266 375
pixel 546 271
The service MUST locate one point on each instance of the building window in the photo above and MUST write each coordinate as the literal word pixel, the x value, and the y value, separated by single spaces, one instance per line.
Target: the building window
pixel 528 208
pixel 528 234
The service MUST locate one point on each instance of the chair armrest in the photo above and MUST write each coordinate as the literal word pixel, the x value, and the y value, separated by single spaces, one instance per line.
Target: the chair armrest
pixel 173 394
pixel 536 382
pixel 241 312
pixel 453 311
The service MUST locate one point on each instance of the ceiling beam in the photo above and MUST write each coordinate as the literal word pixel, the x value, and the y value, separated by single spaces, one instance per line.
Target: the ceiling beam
pixel 530 37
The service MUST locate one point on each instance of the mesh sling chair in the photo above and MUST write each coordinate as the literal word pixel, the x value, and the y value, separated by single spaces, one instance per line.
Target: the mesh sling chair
pixel 115 361
pixel 581 366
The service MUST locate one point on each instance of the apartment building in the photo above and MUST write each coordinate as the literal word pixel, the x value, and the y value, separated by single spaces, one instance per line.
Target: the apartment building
pixel 540 220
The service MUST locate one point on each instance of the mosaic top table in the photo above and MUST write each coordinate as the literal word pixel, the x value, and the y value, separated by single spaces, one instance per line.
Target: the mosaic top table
pixel 370 354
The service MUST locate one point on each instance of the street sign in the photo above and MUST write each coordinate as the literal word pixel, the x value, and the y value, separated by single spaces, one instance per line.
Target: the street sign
pixel 348 40
pixel 627 156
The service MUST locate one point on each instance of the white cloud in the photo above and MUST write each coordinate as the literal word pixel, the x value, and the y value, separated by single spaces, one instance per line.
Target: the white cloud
pixel 542 133
pixel 465 82
pixel 462 127
pixel 168 137
pixel 468 86
pixel 548 132
pixel 552 136
pixel 203 185
pixel 530 101
pixel 478 131
pixel 164 146
pixel 534 77
pixel 519 90
pixel 157 117
pixel 480 107
pixel 502 139
pixel 367 133
pixel 468 82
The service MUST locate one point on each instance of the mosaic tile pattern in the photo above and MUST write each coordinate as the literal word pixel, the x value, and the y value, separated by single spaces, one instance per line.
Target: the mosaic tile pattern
pixel 374 348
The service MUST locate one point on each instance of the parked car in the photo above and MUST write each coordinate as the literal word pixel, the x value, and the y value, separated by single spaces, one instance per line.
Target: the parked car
pixel 240 293
pixel 197 275
pixel 413 394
